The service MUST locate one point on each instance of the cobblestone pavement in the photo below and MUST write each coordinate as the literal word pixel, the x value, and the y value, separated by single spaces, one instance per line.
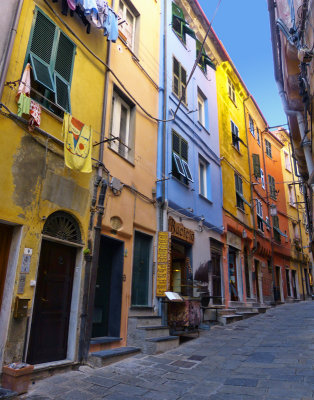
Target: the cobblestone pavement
pixel 267 357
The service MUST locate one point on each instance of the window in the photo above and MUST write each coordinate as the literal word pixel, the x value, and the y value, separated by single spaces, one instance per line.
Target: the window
pixel 276 228
pixel 258 136
pixel 259 212
pixel 262 179
pixel 127 28
pixel 256 165
pixel 296 232
pixel 267 223
pixel 179 80
pixel 235 135
pixel 251 123
pixel 268 148
pixel 204 59
pixel 180 167
pixel 202 108
pixel 179 25
pixel 287 162
pixel 231 91
pixel 121 125
pixel 51 55
pixel 291 195
pixel 305 222
pixel 204 178
pixel 239 193
pixel 272 187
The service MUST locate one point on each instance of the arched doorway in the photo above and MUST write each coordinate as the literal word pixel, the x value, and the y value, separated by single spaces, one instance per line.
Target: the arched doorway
pixel 52 305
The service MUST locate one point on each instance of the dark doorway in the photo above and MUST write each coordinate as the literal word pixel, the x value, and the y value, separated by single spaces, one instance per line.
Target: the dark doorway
pixel 247 274
pixel 277 284
pixel 233 281
pixel 256 265
pixel 288 283
pixel 5 244
pixel 307 281
pixel 294 284
pixel 216 276
pixel 51 313
pixel 141 276
pixel 108 294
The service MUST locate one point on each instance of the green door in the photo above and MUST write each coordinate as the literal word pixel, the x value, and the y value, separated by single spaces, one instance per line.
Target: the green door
pixel 141 270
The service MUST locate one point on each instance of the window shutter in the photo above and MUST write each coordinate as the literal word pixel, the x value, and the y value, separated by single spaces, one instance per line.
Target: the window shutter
pixel 41 49
pixel 177 12
pixel 256 165
pixel 184 150
pixel 183 76
pixel 175 143
pixel 176 76
pixel 63 71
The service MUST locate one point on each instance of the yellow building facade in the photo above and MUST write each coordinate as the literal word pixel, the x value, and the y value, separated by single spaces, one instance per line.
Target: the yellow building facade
pixel 232 95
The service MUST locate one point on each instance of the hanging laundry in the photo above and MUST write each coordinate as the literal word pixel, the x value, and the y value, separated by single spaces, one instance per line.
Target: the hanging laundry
pixel 99 19
pixel 89 6
pixel 35 115
pixel 72 4
pixel 23 105
pixel 25 82
pixel 111 29
pixel 77 144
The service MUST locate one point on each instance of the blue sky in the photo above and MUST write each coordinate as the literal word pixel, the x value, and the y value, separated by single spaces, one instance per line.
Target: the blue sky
pixel 243 28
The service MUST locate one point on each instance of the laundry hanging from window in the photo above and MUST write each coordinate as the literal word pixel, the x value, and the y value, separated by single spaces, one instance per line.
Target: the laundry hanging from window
pixel 95 13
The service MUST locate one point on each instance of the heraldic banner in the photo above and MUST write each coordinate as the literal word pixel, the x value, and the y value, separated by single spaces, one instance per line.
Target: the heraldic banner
pixel 77 144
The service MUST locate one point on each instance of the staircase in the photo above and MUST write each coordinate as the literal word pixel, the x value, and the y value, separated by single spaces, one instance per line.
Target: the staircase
pixel 146 331
pixel 238 310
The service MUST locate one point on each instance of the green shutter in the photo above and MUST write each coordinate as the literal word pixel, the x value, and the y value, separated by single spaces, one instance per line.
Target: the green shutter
pixel 62 93
pixel 41 50
pixel 177 12
pixel 188 31
pixel 176 143
pixel 256 165
pixel 184 150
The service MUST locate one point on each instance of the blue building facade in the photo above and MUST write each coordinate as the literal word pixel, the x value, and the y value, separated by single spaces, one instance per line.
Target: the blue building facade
pixel 189 186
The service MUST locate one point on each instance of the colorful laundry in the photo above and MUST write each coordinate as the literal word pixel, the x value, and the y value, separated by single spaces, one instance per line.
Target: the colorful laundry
pixel 77 144
pixel 23 105
pixel 25 83
pixel 111 29
pixel 35 115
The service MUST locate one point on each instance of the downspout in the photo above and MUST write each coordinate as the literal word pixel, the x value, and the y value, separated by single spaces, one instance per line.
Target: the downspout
pixel 269 219
pixel 250 172
pixel 8 52
pixel 91 264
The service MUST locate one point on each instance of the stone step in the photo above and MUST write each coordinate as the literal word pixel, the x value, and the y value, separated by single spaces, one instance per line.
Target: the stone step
pixel 262 309
pixel 147 320
pixel 228 319
pixel 247 314
pixel 104 339
pixel 101 358
pixel 246 309
pixel 226 311
pixel 155 331
pixel 161 344
pixel 141 311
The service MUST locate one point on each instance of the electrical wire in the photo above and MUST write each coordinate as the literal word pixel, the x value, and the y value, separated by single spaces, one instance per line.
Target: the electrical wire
pixel 116 77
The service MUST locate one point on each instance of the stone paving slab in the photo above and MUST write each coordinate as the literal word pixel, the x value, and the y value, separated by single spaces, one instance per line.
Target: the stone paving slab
pixel 268 357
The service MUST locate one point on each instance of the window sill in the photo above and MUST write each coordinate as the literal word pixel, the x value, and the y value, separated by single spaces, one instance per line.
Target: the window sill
pixel 203 127
pixel 182 183
pixel 123 158
pixel 269 156
pixel 238 151
pixel 242 210
pixel 205 198
pixel 51 113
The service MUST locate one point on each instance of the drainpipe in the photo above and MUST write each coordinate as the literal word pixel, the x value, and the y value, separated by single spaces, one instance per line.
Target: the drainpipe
pixel 269 219
pixel 7 55
pixel 91 264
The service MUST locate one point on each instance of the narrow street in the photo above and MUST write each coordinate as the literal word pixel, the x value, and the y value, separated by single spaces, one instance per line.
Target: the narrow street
pixel 267 357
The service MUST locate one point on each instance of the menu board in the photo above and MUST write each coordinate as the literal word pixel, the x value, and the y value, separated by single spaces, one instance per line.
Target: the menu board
pixel 163 263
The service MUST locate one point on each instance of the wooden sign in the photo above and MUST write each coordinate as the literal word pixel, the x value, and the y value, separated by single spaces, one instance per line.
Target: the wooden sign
pixel 180 231
pixel 163 264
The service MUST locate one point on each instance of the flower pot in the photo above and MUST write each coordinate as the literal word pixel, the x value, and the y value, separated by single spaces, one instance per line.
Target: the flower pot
pixel 16 380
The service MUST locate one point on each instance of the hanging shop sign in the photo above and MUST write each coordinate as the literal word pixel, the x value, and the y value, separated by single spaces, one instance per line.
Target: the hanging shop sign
pixel 163 263
pixel 179 231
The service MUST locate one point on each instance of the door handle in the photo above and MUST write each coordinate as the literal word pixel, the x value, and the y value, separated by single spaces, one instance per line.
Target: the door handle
pixel 42 299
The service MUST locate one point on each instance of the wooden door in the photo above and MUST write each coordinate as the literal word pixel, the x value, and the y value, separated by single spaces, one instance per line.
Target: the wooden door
pixel 141 276
pixel 216 276
pixel 51 313
pixel 5 244
pixel 233 279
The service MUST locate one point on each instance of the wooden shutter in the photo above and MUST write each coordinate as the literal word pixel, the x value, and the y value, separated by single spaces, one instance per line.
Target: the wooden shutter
pixel 176 143
pixel 63 71
pixel 184 150
pixel 41 50
pixel 256 165
pixel 176 76
pixel 183 84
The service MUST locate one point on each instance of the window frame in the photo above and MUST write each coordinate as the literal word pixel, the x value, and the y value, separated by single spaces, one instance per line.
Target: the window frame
pixel 231 91
pixel 184 28
pixel 122 27
pixel 262 179
pixel 287 162
pixel 235 134
pixel 258 136
pixel 272 187
pixel 268 148
pixel 239 191
pixel 182 170
pixel 259 214
pixel 292 196
pixel 123 148
pixel 50 93
pixel 181 84
pixel 251 126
